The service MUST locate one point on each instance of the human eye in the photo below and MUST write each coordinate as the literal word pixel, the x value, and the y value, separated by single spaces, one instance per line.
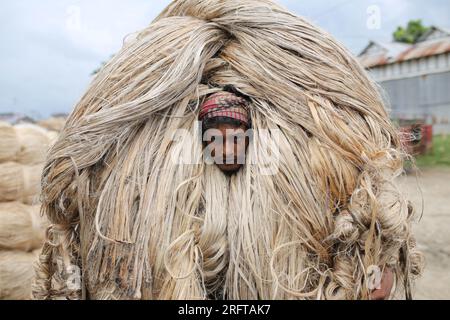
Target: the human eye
pixel 238 138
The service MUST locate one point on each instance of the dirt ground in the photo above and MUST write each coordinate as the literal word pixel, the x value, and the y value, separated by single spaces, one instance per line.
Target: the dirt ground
pixel 433 230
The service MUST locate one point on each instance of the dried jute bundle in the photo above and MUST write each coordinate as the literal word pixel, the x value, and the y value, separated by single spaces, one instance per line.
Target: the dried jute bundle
pixel 8 146
pixel 137 225
pixel 21 227
pixel 34 143
pixel 16 274
pixel 24 143
pixel 20 182
pixel 53 123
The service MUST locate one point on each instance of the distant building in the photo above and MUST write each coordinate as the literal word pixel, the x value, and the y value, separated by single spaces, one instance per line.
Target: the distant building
pixel 15 118
pixel 415 77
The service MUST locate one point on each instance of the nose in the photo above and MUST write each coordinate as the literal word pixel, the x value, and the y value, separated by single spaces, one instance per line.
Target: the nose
pixel 228 149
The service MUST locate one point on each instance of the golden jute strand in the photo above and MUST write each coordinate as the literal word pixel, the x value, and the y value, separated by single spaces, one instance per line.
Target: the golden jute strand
pixel 140 225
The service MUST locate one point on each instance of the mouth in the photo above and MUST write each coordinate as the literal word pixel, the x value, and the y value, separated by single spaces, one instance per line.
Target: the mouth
pixel 231 161
pixel 229 168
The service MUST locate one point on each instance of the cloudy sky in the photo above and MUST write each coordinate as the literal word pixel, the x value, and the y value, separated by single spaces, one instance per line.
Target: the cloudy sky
pixel 49 48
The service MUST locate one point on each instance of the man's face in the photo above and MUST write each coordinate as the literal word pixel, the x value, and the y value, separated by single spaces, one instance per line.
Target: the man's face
pixel 227 145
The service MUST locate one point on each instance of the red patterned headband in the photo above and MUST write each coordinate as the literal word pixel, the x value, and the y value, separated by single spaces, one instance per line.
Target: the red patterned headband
pixel 225 104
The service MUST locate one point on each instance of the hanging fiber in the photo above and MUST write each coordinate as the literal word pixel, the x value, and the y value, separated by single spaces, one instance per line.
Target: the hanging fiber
pixel 136 225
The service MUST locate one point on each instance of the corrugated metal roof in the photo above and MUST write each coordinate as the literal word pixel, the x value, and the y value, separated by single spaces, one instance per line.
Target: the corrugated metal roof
pixel 369 61
pixel 383 53
pixel 432 30
pixel 425 49
pixel 395 53
pixel 394 48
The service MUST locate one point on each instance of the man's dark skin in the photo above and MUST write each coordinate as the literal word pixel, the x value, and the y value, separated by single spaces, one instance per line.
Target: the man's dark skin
pixel 233 146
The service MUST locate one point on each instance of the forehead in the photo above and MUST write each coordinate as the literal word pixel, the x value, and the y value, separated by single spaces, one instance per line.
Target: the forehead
pixel 227 128
pixel 230 126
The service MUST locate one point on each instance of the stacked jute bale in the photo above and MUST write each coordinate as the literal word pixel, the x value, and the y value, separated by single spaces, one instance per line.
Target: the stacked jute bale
pixel 54 124
pixel 23 149
pixel 22 231
pixel 23 143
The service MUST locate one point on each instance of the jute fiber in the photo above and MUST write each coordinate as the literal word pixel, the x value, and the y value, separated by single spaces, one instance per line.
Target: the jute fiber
pixel 137 225
pixel 8 146
pixel 21 227
pixel 16 274
pixel 24 143
pixel 34 143
pixel 20 182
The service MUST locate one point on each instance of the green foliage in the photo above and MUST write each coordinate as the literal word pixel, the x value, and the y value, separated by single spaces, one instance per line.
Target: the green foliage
pixel 411 33
pixel 439 155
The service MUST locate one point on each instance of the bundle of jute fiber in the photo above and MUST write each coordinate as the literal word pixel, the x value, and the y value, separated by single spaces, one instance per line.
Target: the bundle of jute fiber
pixel 8 145
pixel 52 137
pixel 138 225
pixel 16 274
pixel 34 143
pixel 52 123
pixel 21 227
pixel 20 182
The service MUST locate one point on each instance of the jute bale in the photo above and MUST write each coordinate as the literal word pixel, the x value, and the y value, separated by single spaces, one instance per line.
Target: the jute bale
pixel 8 142
pixel 52 136
pixel 20 182
pixel 53 123
pixel 34 143
pixel 21 227
pixel 16 274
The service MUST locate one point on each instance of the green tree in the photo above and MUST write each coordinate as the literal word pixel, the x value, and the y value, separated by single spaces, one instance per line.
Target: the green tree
pixel 411 33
